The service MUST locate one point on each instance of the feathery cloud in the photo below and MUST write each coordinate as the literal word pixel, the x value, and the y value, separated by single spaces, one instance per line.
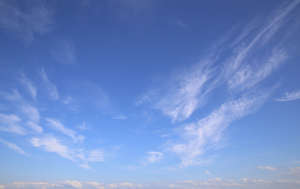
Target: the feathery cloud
pixel 51 88
pixel 28 85
pixel 289 96
pixel 267 168
pixel 10 123
pixel 27 23
pixel 57 125
pixel 13 146
pixel 154 157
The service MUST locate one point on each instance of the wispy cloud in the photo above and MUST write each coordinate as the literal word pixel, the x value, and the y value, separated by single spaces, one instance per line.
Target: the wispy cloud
pixel 10 123
pixel 33 117
pixel 120 117
pixel 51 88
pixel 208 131
pixel 13 146
pixel 267 168
pixel 72 184
pixel 26 23
pixel 154 157
pixel 27 83
pixel 80 156
pixel 57 125
pixel 31 112
pixel 289 96
pixel 64 52
pixel 51 144
pixel 13 96
pixel 240 64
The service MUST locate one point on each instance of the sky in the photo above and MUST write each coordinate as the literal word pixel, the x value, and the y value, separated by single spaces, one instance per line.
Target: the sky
pixel 149 94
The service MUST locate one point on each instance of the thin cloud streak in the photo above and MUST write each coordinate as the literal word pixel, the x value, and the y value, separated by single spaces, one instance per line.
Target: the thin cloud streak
pixel 243 72
pixel 12 146
pixel 10 123
pixel 26 23
pixel 29 86
pixel 57 125
pixel 50 87
pixel 289 96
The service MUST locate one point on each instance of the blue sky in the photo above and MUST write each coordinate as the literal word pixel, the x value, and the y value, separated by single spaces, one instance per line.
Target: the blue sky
pixel 149 94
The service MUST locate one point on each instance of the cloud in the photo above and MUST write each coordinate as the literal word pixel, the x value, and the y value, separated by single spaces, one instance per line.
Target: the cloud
pixel 13 96
pixel 295 171
pixel 215 183
pixel 239 60
pixel 289 96
pixel 27 23
pixel 51 144
pixel 51 88
pixel 64 52
pixel 34 126
pixel 120 117
pixel 10 123
pixel 57 125
pixel 33 117
pixel 73 183
pixel 13 146
pixel 79 156
pixel 267 168
pixel 82 126
pixel 154 157
pixel 238 66
pixel 28 86
pixel 31 112
pixel 199 136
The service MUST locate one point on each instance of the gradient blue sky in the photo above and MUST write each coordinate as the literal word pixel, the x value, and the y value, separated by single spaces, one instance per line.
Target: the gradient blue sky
pixel 149 94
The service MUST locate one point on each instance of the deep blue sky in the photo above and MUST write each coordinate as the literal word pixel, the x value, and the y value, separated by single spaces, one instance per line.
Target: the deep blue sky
pixel 149 94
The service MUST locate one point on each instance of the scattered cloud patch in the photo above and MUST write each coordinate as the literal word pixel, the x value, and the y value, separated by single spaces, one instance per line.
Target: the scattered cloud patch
pixel 13 146
pixel 267 168
pixel 154 157
pixel 289 96
pixel 50 87
pixel 120 117
pixel 10 123
pixel 57 125
pixel 28 85
pixel 26 23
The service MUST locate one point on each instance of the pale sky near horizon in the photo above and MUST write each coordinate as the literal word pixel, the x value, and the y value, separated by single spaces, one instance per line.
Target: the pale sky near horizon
pixel 149 94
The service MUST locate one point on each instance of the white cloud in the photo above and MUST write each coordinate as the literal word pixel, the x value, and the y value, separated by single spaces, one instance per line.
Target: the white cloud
pixel 82 126
pixel 124 185
pixel 199 136
pixel 57 125
pixel 51 144
pixel 154 157
pixel 80 156
pixel 267 168
pixel 73 183
pixel 34 126
pixel 31 112
pixel 13 96
pixel 10 123
pixel 120 117
pixel 13 146
pixel 28 86
pixel 27 23
pixel 241 63
pixel 51 88
pixel 290 96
